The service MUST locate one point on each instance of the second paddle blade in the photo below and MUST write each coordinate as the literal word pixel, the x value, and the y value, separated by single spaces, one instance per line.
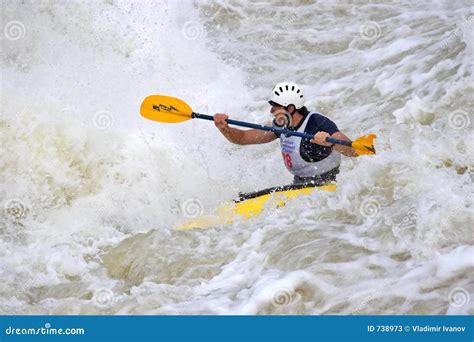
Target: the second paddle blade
pixel 364 145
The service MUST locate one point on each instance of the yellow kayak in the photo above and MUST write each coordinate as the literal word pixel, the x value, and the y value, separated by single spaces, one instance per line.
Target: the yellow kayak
pixel 251 205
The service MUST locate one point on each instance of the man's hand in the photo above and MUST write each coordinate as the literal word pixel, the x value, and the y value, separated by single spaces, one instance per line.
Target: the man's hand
pixel 320 139
pixel 220 121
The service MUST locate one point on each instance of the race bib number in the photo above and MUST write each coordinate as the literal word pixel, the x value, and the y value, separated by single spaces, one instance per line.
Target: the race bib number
pixel 287 160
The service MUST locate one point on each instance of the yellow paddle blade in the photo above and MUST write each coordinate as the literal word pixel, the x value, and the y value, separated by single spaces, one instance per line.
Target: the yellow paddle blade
pixel 165 109
pixel 364 145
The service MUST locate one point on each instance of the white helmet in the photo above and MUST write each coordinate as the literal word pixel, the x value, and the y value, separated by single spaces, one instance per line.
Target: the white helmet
pixel 287 93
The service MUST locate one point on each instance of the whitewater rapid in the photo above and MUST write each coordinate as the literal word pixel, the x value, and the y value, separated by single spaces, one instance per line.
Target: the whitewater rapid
pixel 91 191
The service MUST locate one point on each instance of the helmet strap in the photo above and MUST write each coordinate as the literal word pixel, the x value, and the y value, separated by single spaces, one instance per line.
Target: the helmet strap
pixel 287 109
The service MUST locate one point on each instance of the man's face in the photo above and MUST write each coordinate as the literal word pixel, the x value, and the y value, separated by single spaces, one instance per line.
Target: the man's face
pixel 275 109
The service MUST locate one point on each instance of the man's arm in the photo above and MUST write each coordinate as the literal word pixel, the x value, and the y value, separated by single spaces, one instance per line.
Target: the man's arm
pixel 239 136
pixel 345 150
pixel 320 139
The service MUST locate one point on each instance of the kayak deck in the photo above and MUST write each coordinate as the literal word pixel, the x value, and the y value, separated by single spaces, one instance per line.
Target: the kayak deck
pixel 251 205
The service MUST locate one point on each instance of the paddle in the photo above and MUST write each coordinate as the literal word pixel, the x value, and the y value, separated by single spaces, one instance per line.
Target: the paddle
pixel 172 110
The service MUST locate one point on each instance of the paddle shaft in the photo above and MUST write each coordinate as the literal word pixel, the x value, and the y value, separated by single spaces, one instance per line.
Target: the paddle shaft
pixel 286 132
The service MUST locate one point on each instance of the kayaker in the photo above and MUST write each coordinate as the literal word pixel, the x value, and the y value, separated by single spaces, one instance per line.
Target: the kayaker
pixel 314 162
